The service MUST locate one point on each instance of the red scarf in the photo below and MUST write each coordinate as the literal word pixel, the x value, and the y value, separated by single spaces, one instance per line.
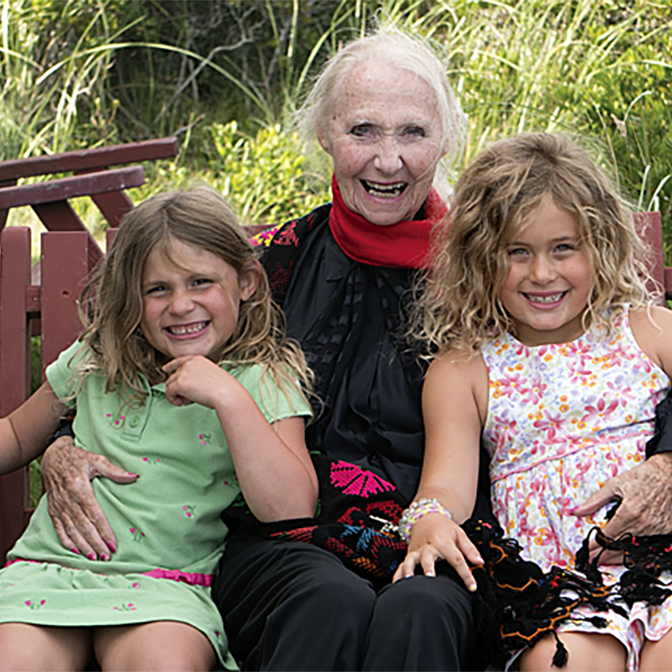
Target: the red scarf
pixel 401 245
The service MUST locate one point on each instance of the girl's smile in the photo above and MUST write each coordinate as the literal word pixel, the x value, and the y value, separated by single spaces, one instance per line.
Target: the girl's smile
pixel 550 279
pixel 191 299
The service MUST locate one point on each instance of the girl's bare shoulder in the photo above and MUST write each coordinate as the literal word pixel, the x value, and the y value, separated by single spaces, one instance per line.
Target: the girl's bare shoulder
pixel 652 329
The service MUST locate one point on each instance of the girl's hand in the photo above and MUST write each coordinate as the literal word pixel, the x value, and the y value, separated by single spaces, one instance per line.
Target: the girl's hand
pixel 436 537
pixel 195 378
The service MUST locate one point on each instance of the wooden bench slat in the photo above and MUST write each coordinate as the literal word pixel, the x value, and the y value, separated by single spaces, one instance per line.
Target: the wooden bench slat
pixel 86 159
pixel 76 186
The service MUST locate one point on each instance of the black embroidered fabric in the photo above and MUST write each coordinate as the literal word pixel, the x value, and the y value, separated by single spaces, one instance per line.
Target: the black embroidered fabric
pixel 347 318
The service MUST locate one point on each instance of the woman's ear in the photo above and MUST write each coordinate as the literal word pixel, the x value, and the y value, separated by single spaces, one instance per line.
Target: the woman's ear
pixel 248 280
pixel 323 139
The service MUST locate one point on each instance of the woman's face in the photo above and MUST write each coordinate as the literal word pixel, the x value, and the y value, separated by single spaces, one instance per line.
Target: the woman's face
pixel 384 135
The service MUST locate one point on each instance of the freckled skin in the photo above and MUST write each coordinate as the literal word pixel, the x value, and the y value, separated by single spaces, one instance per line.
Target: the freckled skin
pixel 385 130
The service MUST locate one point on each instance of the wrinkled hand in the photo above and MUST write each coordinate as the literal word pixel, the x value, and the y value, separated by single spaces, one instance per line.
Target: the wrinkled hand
pixel 194 378
pixel 79 521
pixel 645 493
pixel 436 537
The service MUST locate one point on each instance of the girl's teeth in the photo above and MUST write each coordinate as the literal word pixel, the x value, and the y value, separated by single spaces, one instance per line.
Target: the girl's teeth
pixel 384 190
pixel 545 299
pixel 188 329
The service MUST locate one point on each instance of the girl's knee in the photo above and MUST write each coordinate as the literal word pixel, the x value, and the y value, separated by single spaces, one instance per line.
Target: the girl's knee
pixel 159 647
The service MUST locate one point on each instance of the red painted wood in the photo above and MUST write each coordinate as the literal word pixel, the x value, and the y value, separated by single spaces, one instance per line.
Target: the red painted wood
pixel 72 187
pixel 14 371
pixel 87 159
pixel 59 216
pixel 62 284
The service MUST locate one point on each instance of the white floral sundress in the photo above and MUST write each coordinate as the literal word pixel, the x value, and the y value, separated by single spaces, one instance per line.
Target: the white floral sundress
pixel 562 419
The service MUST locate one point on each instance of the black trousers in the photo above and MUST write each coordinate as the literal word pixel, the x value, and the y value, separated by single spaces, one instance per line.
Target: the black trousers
pixel 293 606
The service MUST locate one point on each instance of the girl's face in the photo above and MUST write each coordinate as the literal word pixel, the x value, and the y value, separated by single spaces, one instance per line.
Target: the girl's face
pixel 550 279
pixel 191 300
pixel 384 135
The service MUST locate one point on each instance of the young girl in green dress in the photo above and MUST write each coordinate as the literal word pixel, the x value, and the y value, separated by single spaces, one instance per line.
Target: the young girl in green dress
pixel 184 378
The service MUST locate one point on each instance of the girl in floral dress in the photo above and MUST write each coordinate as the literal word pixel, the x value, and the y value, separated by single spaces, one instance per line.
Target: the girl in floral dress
pixel 547 346
pixel 184 378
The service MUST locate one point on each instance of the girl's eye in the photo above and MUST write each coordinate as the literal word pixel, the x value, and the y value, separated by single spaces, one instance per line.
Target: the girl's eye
pixel 156 289
pixel 517 251
pixel 202 281
pixel 564 247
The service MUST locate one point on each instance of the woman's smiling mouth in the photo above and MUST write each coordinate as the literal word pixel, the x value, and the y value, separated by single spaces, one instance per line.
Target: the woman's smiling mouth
pixel 384 190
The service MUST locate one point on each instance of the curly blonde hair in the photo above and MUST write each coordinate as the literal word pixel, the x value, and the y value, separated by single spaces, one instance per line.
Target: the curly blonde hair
pixel 459 308
pixel 111 304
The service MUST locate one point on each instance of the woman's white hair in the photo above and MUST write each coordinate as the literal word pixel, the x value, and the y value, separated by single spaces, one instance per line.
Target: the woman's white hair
pixel 389 45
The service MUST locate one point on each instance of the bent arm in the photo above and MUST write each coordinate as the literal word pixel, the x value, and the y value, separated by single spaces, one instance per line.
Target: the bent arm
pixel 274 469
pixel 454 403
pixel 25 432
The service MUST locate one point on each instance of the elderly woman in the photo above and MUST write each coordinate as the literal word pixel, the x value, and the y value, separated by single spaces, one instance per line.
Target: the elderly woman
pixel 384 112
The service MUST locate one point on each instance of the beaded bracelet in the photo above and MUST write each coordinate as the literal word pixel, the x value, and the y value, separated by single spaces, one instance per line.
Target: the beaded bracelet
pixel 417 510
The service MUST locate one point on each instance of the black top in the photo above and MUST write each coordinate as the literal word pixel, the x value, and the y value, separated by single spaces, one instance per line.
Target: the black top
pixel 348 318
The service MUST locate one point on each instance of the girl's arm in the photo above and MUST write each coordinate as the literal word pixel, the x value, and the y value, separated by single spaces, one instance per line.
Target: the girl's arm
pixel 274 469
pixel 25 432
pixel 454 404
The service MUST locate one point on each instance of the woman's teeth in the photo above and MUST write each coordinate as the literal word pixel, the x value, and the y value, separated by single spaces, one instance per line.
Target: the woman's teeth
pixel 551 298
pixel 180 330
pixel 384 190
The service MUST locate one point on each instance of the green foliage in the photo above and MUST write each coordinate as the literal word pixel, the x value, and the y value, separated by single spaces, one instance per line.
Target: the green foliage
pixel 86 72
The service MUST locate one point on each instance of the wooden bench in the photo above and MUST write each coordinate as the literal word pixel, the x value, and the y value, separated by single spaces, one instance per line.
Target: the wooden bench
pixel 65 263
pixel 44 303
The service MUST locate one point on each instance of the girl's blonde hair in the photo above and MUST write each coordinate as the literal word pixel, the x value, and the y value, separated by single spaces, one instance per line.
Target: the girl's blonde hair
pixel 112 302
pixel 460 307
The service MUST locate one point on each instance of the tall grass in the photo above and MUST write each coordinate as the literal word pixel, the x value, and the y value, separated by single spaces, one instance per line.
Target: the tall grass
pixel 81 72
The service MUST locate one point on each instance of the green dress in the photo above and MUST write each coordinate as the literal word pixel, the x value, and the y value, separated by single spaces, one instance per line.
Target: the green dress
pixel 169 532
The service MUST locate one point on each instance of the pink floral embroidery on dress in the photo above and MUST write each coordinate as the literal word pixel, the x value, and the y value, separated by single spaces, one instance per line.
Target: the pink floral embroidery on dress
pixel 357 481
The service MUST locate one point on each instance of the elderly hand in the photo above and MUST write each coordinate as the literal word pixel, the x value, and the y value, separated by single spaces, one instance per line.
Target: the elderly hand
pixel 79 521
pixel 645 493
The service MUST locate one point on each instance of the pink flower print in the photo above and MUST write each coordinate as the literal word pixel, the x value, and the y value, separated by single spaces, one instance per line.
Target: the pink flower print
pixel 151 460
pixel 217 633
pixel 510 384
pixel 506 430
pixel 137 534
pixel 34 604
pixel 533 394
pixel 599 412
pixel 126 607
pixel 357 481
pixel 549 424
pixel 204 438
pixel 189 510
pixel 116 422
pixel 136 585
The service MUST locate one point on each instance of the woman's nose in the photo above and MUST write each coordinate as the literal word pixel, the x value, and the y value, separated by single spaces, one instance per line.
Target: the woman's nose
pixel 388 157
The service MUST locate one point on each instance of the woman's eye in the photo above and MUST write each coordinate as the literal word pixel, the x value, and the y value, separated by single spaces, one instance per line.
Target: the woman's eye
pixel 415 131
pixel 361 130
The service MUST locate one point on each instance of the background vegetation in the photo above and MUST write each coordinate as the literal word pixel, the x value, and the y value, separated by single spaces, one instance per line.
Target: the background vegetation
pixel 226 75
